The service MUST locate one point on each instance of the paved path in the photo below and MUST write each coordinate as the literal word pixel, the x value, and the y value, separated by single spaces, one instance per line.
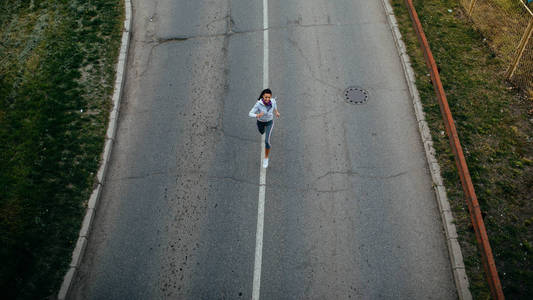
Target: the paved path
pixel 349 208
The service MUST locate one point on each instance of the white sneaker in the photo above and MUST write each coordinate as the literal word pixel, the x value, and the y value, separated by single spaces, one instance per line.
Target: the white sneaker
pixel 265 163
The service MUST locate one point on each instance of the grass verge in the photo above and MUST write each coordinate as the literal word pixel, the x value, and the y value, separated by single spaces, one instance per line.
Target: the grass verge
pixel 57 63
pixel 496 134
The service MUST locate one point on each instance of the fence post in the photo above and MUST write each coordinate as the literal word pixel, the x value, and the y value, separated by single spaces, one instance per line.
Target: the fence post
pixel 521 47
pixel 471 7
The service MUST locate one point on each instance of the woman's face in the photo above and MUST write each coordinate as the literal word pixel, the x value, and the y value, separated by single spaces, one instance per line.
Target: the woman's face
pixel 267 97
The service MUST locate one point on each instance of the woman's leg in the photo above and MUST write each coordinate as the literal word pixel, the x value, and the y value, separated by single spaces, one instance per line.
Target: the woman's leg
pixel 269 127
pixel 261 127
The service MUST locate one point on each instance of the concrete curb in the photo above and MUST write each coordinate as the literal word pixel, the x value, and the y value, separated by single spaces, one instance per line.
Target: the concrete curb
pixel 454 249
pixel 81 244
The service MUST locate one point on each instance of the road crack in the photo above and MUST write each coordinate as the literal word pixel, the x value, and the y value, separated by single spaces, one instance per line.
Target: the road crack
pixel 352 173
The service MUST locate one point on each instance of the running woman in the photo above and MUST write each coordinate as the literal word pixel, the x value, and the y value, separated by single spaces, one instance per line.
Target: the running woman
pixel 264 110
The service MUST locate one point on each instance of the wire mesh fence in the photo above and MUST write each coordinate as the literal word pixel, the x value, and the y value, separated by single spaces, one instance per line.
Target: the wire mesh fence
pixel 507 25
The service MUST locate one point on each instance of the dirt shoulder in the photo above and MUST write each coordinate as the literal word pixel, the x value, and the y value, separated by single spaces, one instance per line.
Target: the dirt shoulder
pixel 495 130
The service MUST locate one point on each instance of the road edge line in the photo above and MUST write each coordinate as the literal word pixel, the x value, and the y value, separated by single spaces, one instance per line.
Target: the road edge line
pixel 454 249
pixel 81 243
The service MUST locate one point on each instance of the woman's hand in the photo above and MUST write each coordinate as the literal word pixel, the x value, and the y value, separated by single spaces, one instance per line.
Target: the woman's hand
pixel 259 115
pixel 277 113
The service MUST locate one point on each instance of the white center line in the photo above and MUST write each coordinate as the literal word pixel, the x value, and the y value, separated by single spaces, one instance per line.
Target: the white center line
pixel 262 173
pixel 265 44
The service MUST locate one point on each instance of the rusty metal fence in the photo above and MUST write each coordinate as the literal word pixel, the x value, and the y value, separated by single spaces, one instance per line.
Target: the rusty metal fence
pixel 507 25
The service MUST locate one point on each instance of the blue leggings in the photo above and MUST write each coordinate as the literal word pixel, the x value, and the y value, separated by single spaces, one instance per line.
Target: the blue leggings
pixel 266 126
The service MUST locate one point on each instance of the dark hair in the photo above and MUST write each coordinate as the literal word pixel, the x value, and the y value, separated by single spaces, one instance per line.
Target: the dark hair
pixel 265 91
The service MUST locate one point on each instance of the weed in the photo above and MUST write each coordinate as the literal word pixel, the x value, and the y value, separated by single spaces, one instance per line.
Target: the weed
pixel 49 148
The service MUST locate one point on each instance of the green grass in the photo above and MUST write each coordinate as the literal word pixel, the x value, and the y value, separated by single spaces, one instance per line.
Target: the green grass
pixel 495 132
pixel 56 77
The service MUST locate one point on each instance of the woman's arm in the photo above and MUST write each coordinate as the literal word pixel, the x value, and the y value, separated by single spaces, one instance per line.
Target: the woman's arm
pixel 275 106
pixel 252 113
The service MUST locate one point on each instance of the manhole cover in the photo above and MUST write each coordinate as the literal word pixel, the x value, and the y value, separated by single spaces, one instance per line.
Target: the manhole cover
pixel 355 95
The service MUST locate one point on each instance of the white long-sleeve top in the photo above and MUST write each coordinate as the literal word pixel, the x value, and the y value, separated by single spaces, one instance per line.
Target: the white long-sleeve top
pixel 260 107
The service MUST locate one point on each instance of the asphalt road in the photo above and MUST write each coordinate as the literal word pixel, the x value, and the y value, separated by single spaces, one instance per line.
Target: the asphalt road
pixel 349 207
